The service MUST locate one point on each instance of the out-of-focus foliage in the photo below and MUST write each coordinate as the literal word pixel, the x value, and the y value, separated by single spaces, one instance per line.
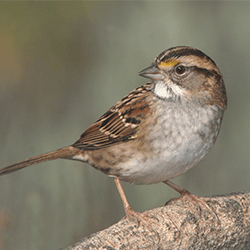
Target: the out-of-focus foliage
pixel 62 65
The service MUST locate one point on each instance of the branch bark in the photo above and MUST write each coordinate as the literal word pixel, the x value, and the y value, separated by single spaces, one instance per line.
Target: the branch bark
pixel 181 225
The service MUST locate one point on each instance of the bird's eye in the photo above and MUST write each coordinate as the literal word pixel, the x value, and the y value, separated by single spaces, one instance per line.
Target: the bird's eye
pixel 180 70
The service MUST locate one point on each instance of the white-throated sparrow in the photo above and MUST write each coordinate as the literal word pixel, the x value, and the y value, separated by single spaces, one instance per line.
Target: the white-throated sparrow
pixel 159 130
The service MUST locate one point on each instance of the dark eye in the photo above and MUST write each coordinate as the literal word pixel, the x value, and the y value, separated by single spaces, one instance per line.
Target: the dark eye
pixel 180 70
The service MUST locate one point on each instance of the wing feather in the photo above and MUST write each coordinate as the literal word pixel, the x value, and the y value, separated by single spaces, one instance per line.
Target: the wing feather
pixel 120 123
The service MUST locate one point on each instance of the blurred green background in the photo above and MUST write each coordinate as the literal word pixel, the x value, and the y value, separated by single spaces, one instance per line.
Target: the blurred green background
pixel 62 65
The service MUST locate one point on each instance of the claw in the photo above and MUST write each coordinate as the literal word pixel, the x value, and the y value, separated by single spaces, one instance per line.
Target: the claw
pixel 139 218
pixel 194 199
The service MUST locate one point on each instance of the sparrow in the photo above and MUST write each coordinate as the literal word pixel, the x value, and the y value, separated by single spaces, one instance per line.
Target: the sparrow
pixel 159 130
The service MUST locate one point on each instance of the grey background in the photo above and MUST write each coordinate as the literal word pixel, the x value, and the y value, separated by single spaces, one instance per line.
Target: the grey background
pixel 62 65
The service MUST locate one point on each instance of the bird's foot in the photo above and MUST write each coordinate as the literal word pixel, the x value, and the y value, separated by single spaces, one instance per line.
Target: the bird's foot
pixel 194 199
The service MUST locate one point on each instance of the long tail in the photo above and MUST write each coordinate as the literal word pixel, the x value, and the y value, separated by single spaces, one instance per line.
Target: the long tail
pixel 65 152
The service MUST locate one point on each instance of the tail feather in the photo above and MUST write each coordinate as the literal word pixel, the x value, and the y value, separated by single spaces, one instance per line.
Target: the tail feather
pixel 59 153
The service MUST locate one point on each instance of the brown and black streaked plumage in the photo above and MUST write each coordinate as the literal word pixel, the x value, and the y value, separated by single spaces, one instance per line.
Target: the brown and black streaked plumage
pixel 119 124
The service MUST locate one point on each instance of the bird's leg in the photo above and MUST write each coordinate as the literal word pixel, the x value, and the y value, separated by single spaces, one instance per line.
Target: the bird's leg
pixel 128 210
pixel 191 197
pixel 130 213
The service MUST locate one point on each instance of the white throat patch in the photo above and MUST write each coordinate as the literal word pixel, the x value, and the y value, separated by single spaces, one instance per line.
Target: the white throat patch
pixel 165 90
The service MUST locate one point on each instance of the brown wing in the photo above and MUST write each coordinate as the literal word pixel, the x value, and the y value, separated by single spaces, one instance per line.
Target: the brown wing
pixel 120 123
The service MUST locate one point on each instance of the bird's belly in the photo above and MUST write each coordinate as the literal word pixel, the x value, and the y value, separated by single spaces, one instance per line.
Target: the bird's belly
pixel 174 147
pixel 168 164
pixel 169 149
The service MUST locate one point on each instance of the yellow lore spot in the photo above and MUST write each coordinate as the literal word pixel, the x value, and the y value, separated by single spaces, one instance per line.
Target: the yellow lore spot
pixel 169 63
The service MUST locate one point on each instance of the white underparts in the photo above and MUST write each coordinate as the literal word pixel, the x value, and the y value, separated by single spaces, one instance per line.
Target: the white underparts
pixel 167 90
pixel 79 157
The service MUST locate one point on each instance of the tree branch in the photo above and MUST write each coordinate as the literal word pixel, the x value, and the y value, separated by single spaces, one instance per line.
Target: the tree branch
pixel 181 225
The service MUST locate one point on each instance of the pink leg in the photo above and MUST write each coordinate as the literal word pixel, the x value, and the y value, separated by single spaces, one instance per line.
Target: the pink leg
pixel 130 213
pixel 191 197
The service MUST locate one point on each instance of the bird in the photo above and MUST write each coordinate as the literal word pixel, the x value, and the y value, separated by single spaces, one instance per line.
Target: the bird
pixel 159 130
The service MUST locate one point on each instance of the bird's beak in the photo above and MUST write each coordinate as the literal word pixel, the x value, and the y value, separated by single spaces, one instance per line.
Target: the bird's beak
pixel 153 73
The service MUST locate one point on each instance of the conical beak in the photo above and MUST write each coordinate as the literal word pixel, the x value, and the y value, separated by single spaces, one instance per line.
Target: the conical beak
pixel 153 73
